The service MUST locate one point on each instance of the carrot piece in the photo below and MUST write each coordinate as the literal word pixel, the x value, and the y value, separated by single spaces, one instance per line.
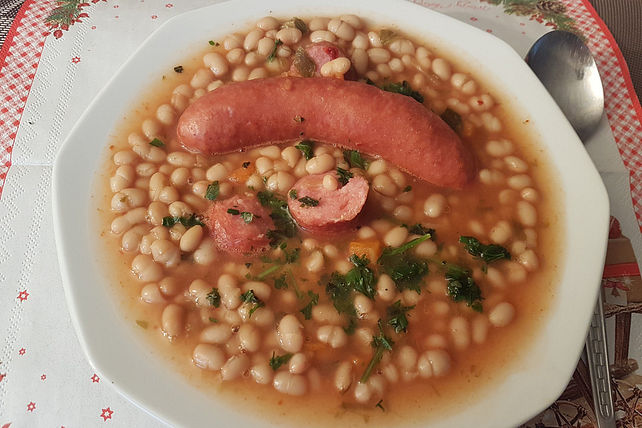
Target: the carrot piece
pixel 240 175
pixel 371 248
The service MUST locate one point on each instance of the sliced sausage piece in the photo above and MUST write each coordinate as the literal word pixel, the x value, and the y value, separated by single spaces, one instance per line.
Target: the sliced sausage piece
pixel 349 114
pixel 231 230
pixel 321 53
pixel 335 209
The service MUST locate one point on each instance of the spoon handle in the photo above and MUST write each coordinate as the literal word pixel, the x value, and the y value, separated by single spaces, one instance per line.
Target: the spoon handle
pixel 598 363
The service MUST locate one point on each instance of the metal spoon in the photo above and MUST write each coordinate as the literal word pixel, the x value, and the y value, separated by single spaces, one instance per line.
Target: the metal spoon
pixel 564 65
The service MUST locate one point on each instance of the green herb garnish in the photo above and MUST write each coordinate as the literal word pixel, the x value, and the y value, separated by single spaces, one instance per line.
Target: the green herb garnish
pixel 213 43
pixel 278 361
pixel 293 194
pixel 142 324
pixel 306 147
pixel 307 309
pixel 212 191
pixel 355 159
pixel 361 277
pixel 452 119
pixel 407 189
pixel 249 298
pixel 488 253
pixel 246 164
pixel 214 297
pixel 403 88
pixel 272 55
pixel 233 211
pixel 212 319
pixel 397 316
pixel 344 175
pixel 307 201
pixel 285 226
pixel 419 229
pixel 380 343
pixel 178 69
pixel 157 143
pixel 188 222
pixel 462 287
pixel 281 282
pixel 405 270
pixel 379 405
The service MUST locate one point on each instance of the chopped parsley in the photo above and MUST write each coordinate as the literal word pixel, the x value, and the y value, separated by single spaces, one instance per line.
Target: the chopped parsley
pixel 307 201
pixel 379 405
pixel 407 189
pixel 462 287
pixel 397 316
pixel 246 164
pixel 178 69
pixel 213 320
pixel 157 143
pixel 355 159
pixel 188 222
pixel 306 147
pixel 233 211
pixel 272 55
pixel 293 194
pixel 307 309
pixel 278 361
pixel 213 43
pixel 405 270
pixel 212 191
pixel 281 282
pixel 488 253
pixel 249 298
pixel 361 278
pixel 452 119
pixel 285 226
pixel 380 343
pixel 214 298
pixel 419 229
pixel 344 175
pixel 403 88
pixel 142 324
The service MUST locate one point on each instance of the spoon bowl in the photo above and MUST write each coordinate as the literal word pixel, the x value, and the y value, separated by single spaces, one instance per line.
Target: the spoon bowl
pixel 565 66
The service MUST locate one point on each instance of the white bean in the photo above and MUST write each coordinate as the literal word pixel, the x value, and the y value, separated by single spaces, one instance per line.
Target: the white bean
pixel 235 366
pixel 333 335
pixel 435 205
pixel 208 357
pixel 502 314
pixel 343 376
pixel 435 362
pixel 289 334
pixel 262 373
pixel 291 384
pixel 145 269
pixel 172 320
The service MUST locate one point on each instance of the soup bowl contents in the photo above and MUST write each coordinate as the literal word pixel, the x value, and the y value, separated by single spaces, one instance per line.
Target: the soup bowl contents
pixel 327 207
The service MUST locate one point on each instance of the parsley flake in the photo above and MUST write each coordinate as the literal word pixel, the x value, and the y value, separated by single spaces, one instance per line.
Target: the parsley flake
pixel 307 309
pixel 397 316
pixel 307 201
pixel 344 175
pixel 178 69
pixel 278 361
pixel 272 55
pixel 212 191
pixel 462 287
pixel 157 143
pixel 306 147
pixel 380 343
pixel 188 222
pixel 214 298
pixel 249 298
pixel 488 253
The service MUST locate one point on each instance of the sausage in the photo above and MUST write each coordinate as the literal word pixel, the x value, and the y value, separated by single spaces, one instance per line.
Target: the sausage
pixel 320 53
pixel 336 207
pixel 231 232
pixel 346 113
